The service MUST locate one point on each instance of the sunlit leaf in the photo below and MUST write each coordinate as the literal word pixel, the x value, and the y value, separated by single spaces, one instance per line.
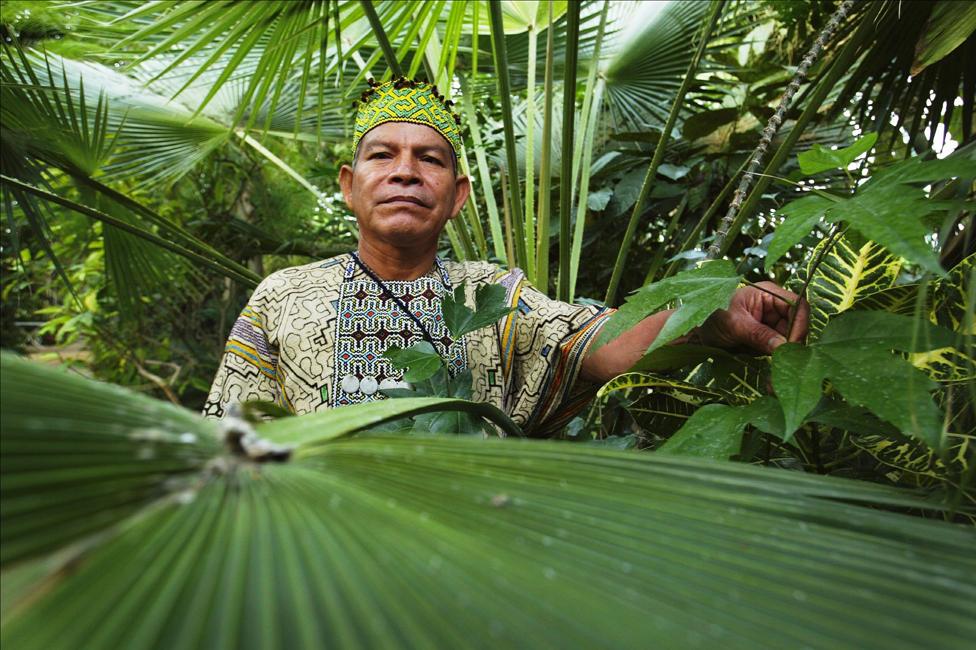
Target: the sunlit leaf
pixel 818 158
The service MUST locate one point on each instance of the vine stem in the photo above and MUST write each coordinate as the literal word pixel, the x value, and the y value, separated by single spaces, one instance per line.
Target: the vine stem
pixel 774 295
pixel 715 250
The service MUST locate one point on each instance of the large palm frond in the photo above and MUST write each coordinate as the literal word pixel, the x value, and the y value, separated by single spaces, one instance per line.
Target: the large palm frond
pixel 52 122
pixel 165 537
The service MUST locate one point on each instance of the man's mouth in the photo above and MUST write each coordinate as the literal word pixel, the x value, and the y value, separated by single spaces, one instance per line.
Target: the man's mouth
pixel 405 199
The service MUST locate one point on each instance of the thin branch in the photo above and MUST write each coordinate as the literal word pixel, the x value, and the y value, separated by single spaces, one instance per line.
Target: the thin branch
pixel 715 250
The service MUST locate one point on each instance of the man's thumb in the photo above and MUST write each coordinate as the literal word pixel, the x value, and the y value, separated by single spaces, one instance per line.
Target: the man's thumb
pixel 764 339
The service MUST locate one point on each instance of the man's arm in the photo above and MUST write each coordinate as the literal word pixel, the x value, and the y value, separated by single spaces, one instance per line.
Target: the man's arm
pixel 756 321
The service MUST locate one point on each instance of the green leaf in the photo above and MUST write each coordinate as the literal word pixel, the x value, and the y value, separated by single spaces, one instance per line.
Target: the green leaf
pixel 837 414
pixel 881 330
pixel 854 353
pixel 891 217
pixel 670 357
pixel 766 415
pixel 98 429
pixel 420 361
pixel 819 159
pixel 490 306
pixel 889 386
pixel 700 292
pixel 714 431
pixel 802 215
pixel 798 381
pixel 949 25
pixel 640 548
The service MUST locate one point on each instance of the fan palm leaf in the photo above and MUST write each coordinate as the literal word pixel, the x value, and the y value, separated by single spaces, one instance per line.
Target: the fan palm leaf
pixel 432 541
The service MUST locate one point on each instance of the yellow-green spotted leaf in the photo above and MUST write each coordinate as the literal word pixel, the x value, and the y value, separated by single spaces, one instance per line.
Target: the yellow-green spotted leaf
pixel 847 273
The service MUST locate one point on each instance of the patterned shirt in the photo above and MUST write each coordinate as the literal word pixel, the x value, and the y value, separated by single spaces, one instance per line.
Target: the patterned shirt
pixel 312 337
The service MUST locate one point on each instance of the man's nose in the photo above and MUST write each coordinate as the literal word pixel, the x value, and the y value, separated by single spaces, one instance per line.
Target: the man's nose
pixel 405 171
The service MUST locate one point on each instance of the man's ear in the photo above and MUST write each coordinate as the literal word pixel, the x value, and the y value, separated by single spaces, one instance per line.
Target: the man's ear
pixel 462 188
pixel 345 183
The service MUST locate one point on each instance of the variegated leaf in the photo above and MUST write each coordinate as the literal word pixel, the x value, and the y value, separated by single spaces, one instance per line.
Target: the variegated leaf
pixel 661 405
pixel 652 382
pixel 947 303
pixel 918 464
pixel 846 273
pixel 953 295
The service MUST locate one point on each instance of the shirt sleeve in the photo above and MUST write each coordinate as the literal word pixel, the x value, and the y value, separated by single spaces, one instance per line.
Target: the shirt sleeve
pixel 249 368
pixel 543 345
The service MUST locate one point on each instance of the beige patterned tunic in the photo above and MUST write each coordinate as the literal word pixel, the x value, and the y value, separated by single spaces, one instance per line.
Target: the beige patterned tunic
pixel 306 328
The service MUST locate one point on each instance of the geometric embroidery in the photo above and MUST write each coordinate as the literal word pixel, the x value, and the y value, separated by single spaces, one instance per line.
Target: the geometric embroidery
pixel 404 100
pixel 369 322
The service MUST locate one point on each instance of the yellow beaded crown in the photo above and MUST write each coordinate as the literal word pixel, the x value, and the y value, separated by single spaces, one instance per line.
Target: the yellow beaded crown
pixel 406 100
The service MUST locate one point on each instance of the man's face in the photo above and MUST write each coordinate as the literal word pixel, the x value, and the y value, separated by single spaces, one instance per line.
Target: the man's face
pixel 403 187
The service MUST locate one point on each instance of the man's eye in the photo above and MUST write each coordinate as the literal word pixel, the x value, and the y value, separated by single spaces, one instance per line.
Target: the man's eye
pixel 379 154
pixel 432 159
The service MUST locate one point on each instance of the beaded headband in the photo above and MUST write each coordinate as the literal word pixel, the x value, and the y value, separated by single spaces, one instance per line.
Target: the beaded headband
pixel 406 100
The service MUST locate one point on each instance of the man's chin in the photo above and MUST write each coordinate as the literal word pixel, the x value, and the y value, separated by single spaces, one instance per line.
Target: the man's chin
pixel 405 230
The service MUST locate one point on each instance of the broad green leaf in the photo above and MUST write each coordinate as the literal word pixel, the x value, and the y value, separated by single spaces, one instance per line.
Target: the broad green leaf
pixel 766 415
pixel 819 159
pixel 714 431
pixel 837 414
pixel 670 357
pixel 961 164
pixel 889 386
pixel 584 543
pixel 802 215
pixel 889 211
pixel 798 381
pixel 892 218
pixel 854 353
pixel 880 330
pixel 700 292
pixel 45 409
pixel 490 306
pixel 420 361
pixel 949 25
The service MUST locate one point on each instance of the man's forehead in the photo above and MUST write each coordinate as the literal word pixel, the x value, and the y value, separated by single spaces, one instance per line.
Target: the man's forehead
pixel 405 134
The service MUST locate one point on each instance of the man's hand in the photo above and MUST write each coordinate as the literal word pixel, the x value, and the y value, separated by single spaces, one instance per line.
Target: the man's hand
pixel 757 320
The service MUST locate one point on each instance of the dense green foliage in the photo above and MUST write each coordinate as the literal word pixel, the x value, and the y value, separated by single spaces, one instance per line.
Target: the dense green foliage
pixel 158 159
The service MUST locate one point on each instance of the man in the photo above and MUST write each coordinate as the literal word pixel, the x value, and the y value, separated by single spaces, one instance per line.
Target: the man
pixel 312 337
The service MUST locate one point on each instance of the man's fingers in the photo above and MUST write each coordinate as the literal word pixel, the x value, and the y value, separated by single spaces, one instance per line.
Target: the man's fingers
pixel 764 339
